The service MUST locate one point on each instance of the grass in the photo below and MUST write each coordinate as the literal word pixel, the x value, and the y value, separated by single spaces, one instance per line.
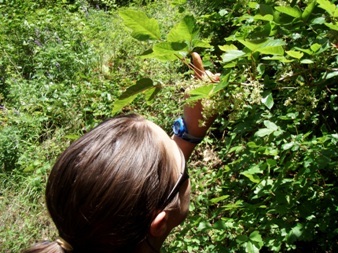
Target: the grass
pixel 24 217
pixel 43 113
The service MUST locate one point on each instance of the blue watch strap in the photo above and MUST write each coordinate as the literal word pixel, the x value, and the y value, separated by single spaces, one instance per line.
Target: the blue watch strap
pixel 180 130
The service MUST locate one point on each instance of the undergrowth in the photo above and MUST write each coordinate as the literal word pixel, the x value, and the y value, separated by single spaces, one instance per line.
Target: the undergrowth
pixel 265 178
pixel 62 67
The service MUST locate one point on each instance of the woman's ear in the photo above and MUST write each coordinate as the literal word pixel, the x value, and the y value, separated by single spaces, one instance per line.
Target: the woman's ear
pixel 159 225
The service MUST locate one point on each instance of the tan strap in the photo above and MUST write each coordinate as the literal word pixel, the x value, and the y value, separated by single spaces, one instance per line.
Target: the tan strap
pixel 63 244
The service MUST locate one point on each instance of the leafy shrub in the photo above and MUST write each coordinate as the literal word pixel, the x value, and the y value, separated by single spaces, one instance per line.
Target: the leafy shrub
pixel 279 188
pixel 275 188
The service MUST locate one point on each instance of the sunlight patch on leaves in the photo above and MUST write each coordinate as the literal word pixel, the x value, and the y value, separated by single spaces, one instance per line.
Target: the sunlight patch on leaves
pixel 268 100
pixel 270 46
pixel 143 28
pixel 187 31
pixel 291 11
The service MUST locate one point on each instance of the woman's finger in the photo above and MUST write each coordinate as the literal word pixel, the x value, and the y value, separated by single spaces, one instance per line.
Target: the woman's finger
pixel 200 72
pixel 198 65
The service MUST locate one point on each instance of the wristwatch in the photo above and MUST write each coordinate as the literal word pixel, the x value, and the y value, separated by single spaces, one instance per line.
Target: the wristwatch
pixel 180 130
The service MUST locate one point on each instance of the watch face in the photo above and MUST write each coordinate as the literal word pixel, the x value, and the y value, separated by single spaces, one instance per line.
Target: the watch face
pixel 178 127
pixel 180 130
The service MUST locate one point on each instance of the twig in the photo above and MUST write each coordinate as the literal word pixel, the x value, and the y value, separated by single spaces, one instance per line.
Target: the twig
pixel 195 69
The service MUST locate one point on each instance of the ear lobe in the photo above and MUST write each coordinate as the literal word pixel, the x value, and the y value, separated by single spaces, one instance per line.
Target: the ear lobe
pixel 159 226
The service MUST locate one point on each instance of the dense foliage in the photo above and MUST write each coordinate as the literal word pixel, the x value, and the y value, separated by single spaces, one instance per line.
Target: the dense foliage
pixel 264 180
pixel 277 187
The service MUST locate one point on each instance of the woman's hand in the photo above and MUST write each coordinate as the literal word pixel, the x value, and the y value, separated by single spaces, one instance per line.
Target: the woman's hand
pixel 200 72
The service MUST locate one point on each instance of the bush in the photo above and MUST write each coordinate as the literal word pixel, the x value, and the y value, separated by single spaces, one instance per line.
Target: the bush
pixel 274 188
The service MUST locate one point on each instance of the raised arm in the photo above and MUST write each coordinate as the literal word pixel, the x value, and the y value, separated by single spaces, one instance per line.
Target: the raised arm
pixel 193 115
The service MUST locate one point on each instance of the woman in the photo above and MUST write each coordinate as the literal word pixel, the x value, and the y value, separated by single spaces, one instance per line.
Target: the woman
pixel 123 186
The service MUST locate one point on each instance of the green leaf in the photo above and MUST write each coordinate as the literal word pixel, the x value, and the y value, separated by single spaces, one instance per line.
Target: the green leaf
pixel 332 26
pixel 186 31
pixel 264 132
pixel 271 162
pixel 236 149
pixel 256 237
pixel 308 10
pixel 72 137
pixel 276 58
pixel 206 91
pixel 230 65
pixel 151 93
pixel 270 125
pixel 143 28
pixel 168 50
pixel 255 169
pixel 231 55
pixel 160 55
pixel 201 44
pixel 287 146
pixel 328 7
pixel 120 103
pixel 131 93
pixel 273 50
pixel 307 51
pixel 218 199
pixel 331 75
pixel 201 92
pixel 226 48
pixel 251 144
pixel 335 14
pixel 29 168
pixel 178 2
pixel 295 54
pixel 268 101
pixel 251 248
pixel 253 5
pixel 203 225
pixel 252 177
pixel 335 136
pixel 288 10
pixel 318 21
pixel 295 233
pixel 306 61
pixel 164 48
pixel 220 224
pixel 236 205
pixel 140 86
pixel 297 230
pixel 315 47
pixel 224 82
pixel 147 54
pixel 251 45
pixel 267 17
pixel 269 46
pixel 241 239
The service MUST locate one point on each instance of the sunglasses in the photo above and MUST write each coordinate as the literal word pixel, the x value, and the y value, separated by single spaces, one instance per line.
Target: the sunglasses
pixel 181 180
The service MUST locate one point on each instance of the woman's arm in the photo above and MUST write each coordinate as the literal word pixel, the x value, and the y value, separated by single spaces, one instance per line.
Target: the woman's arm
pixel 192 115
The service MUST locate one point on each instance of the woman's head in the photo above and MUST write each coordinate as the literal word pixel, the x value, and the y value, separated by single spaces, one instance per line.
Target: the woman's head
pixel 106 189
